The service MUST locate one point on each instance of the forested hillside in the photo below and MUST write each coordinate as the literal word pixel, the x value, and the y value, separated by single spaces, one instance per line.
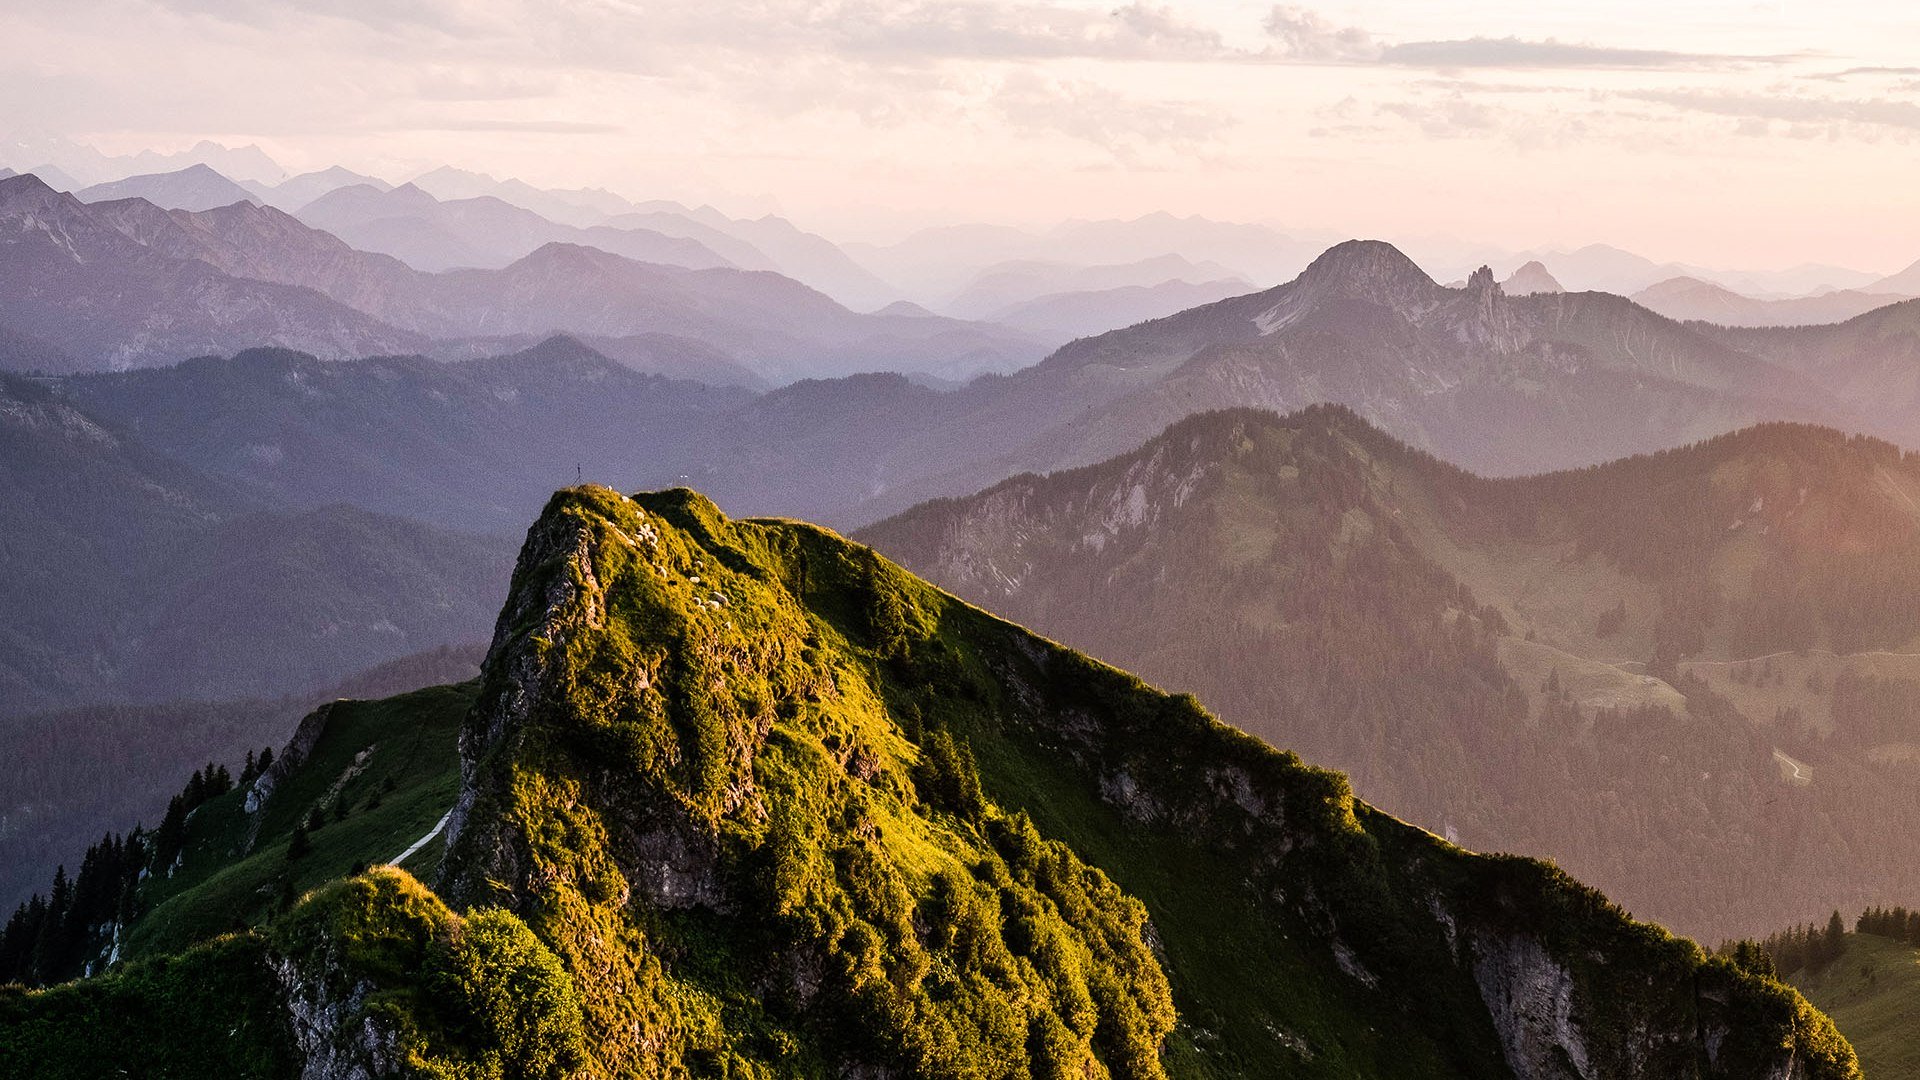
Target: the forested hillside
pixel 1695 658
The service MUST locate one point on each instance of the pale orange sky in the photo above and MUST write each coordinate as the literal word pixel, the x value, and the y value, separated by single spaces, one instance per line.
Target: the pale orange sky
pixel 1714 131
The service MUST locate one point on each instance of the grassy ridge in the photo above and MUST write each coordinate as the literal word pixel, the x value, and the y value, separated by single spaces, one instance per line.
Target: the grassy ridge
pixel 1872 992
pixel 235 872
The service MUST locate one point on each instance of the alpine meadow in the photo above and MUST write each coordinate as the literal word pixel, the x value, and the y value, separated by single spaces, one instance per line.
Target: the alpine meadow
pixel 959 540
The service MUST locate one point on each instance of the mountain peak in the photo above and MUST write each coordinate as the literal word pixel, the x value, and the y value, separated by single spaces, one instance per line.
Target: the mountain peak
pixel 1372 271
pixel 561 254
pixel 559 349
pixel 23 185
pixel 1363 266
pixel 1531 278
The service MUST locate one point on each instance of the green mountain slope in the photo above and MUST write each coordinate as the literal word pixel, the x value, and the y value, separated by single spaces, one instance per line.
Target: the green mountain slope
pixel 740 798
pixel 80 773
pixel 1872 992
pixel 1702 658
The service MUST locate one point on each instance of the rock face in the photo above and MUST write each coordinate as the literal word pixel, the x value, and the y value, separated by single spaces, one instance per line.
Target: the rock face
pixel 333 1037
pixel 290 759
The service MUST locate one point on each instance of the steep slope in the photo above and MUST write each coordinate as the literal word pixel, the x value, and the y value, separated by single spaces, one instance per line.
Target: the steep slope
pixel 128 575
pixel 719 813
pixel 74 279
pixel 1627 668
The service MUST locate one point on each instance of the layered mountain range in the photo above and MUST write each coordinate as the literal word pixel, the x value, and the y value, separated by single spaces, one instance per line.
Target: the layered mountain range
pixel 1499 384
pixel 124 283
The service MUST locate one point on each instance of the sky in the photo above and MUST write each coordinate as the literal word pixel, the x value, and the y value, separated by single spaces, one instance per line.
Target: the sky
pixel 1725 133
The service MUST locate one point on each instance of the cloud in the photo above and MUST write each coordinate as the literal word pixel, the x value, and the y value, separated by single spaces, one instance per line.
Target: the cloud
pixel 1451 117
pixel 1124 126
pixel 479 84
pixel 537 127
pixel 1300 34
pixel 1875 112
pixel 1305 36
pixel 1512 52
pixel 978 30
pixel 1856 72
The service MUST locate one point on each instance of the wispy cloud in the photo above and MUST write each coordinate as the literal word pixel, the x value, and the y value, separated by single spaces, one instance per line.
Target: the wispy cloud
pixel 1305 36
pixel 1862 72
pixel 1126 127
pixel 538 127
pixel 1878 112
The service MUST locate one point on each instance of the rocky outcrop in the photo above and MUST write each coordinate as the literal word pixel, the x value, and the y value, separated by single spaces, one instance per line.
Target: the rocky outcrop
pixel 294 755
pixel 537 620
pixel 1530 997
pixel 334 1037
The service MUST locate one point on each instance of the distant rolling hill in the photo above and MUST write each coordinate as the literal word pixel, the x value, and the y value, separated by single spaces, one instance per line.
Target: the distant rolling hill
pixel 1689 299
pixel 1672 660
pixel 474 445
pixel 1871 361
pixel 1064 316
pixel 486 232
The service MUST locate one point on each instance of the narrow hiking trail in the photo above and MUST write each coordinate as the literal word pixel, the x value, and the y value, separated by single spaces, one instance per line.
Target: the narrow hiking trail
pixel 1801 773
pixel 423 841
